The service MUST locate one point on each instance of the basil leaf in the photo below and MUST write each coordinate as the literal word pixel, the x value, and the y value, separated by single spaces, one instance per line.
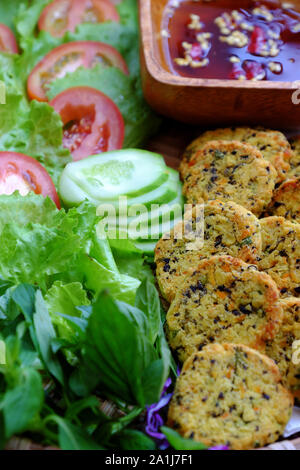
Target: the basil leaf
pixel 114 350
pixel 180 443
pixel 147 300
pixel 24 298
pixel 119 352
pixel 130 439
pixel 45 334
pixel 72 437
pixel 153 380
pixel 23 402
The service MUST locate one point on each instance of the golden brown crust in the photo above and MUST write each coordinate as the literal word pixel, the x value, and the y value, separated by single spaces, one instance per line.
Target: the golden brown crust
pixel 273 144
pixel 232 395
pixel 295 160
pixel 281 254
pixel 230 170
pixel 228 229
pixel 286 200
pixel 224 300
pixel 282 348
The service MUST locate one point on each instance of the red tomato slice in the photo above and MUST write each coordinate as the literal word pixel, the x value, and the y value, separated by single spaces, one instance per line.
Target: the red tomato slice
pixel 8 41
pixel 61 16
pixel 67 58
pixel 21 173
pixel 92 122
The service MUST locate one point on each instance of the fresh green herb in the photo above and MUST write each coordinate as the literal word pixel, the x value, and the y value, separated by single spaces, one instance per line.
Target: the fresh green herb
pixel 35 130
pixel 120 354
pixel 246 241
pixel 219 154
pixel 180 443
pixel 130 439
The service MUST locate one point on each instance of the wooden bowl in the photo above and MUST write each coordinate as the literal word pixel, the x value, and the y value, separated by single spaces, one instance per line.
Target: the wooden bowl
pixel 208 102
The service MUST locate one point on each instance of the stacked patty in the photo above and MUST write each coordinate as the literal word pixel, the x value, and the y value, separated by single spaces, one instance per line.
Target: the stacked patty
pixel 281 350
pixel 232 395
pixel 224 228
pixel 286 200
pixel 280 256
pixel 273 145
pixel 224 300
pixel 295 159
pixel 235 291
pixel 231 171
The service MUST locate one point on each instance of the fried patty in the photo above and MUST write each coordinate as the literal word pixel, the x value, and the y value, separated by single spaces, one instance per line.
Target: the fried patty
pixel 286 200
pixel 223 300
pixel 281 254
pixel 283 347
pixel 227 229
pixel 295 160
pixel 230 171
pixel 232 395
pixel 272 144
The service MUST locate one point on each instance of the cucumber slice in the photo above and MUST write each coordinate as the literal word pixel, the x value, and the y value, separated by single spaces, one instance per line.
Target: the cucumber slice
pixel 162 195
pixel 149 225
pixel 154 233
pixel 110 175
pixel 155 215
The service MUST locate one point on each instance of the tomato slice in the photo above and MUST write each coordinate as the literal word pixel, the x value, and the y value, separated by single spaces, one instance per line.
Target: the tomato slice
pixel 92 122
pixel 8 41
pixel 21 173
pixel 67 58
pixel 61 16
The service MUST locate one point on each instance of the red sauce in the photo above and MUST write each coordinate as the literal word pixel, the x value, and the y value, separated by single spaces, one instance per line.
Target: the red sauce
pixel 232 39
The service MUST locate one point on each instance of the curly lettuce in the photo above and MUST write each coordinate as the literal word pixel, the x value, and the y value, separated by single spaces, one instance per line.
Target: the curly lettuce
pixel 40 244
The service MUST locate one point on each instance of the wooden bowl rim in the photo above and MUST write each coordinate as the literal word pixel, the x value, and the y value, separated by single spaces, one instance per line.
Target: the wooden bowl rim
pixel 156 70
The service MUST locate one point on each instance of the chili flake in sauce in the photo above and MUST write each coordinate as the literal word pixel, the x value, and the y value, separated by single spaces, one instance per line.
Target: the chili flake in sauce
pixel 218 39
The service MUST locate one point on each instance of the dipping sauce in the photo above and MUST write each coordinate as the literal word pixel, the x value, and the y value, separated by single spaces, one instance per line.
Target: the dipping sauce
pixel 233 39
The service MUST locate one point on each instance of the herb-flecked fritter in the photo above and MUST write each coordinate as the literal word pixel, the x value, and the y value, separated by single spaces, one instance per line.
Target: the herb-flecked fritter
pixel 227 229
pixel 232 395
pixel 230 171
pixel 224 300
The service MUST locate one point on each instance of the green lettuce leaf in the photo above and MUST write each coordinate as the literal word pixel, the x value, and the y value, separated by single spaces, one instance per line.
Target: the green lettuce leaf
pixel 62 301
pixel 35 130
pixel 64 298
pixel 11 76
pixel 98 277
pixel 30 128
pixel 27 16
pixel 8 11
pixel 41 244
pixel 32 249
pixel 130 260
